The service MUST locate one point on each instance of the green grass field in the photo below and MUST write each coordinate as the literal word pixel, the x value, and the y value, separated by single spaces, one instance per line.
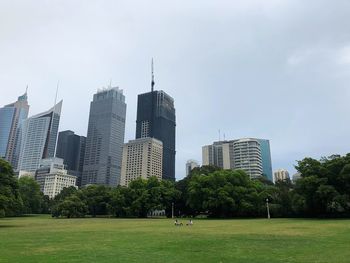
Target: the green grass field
pixel 43 239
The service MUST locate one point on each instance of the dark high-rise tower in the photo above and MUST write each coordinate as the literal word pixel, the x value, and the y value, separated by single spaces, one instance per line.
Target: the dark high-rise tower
pixel 71 148
pixel 156 119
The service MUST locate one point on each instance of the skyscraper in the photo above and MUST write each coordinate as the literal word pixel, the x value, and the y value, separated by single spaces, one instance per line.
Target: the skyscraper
pixel 71 148
pixel 105 138
pixel 142 158
pixel 266 158
pixel 11 117
pixel 156 119
pixel 38 138
pixel 247 156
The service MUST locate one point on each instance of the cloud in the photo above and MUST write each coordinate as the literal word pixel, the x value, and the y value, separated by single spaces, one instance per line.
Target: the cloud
pixel 343 55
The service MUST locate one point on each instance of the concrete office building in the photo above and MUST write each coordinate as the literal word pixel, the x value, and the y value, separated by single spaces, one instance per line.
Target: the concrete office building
pixel 213 155
pixel 281 175
pixel 53 177
pixel 191 164
pixel 156 119
pixel 105 138
pixel 11 117
pixel 71 148
pixel 245 154
pixel 38 138
pixel 142 158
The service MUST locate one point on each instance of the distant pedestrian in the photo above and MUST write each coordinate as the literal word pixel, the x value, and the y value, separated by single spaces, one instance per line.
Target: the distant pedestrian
pixel 190 223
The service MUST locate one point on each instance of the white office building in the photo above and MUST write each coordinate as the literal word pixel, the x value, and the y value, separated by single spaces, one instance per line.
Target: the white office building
pixel 142 158
pixel 53 177
pixel 281 175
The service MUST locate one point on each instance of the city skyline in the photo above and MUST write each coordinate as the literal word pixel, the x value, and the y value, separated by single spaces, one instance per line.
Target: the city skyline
pixel 294 76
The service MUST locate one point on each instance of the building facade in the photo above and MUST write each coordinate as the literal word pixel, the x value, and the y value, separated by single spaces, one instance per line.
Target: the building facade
pixel 156 119
pixel 142 158
pixel 245 154
pixel 266 158
pixel 11 117
pixel 52 176
pixel 71 148
pixel 281 175
pixel 191 164
pixel 213 155
pixel 38 136
pixel 247 157
pixel 105 138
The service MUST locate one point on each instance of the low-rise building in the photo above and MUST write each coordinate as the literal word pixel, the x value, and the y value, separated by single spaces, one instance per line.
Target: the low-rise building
pixel 53 177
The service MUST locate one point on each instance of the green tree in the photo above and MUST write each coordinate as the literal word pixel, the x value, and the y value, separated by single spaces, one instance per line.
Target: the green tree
pixel 70 207
pixel 30 193
pixel 118 205
pixel 10 199
pixel 182 206
pixel 323 189
pixel 96 197
pixel 226 193
pixel 66 192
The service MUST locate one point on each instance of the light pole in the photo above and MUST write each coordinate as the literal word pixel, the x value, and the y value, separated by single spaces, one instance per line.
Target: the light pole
pixel 172 210
pixel 268 209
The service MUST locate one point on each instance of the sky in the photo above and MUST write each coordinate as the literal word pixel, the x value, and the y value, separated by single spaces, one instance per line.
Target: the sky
pixel 273 69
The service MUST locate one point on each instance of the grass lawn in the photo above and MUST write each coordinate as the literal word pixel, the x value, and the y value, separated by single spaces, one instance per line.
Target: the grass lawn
pixel 43 239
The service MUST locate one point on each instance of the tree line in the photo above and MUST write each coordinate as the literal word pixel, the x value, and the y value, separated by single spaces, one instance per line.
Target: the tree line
pixel 322 191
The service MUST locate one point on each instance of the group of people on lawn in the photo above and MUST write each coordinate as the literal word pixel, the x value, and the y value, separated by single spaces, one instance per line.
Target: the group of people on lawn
pixel 178 223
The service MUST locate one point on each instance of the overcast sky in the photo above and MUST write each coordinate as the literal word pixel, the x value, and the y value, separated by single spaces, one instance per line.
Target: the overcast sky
pixel 270 69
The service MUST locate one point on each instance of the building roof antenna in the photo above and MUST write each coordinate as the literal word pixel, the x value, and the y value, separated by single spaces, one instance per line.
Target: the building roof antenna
pixel 152 83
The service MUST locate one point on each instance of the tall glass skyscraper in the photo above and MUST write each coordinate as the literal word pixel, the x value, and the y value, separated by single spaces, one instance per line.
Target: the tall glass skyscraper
pixel 38 138
pixel 156 119
pixel 11 117
pixel 105 138
pixel 266 158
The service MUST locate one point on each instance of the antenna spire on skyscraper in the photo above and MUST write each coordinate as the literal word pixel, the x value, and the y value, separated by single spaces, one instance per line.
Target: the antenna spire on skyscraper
pixel 152 83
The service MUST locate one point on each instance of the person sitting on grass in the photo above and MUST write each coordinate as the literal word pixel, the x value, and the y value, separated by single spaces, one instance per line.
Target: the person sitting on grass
pixel 190 223
pixel 177 223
